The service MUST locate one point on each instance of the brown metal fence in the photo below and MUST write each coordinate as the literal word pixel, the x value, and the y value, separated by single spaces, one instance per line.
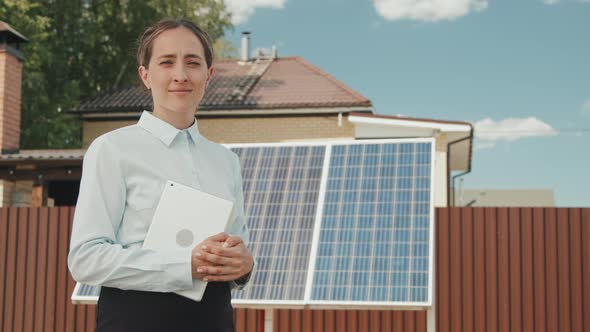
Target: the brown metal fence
pixel 513 269
pixel 498 269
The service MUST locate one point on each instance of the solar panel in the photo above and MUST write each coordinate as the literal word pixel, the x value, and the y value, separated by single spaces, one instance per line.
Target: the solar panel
pixel 281 187
pixel 337 223
pixel 374 241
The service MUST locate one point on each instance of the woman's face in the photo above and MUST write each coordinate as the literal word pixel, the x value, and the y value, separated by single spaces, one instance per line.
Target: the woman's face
pixel 177 74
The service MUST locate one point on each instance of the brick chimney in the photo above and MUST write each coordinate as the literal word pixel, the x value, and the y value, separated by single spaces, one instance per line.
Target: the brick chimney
pixel 11 64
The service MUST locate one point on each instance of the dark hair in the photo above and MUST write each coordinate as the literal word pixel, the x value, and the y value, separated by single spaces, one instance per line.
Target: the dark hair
pixel 146 41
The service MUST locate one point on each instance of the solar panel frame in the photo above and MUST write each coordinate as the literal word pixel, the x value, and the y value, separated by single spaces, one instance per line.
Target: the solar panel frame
pixel 307 302
pixel 318 223
pixel 316 304
pixel 295 170
pixel 267 303
pixel 408 305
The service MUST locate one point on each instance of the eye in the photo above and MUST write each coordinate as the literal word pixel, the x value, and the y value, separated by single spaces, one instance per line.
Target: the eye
pixel 167 62
pixel 193 63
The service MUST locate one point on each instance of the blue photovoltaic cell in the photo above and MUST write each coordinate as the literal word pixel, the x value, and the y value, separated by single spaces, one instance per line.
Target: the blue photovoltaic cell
pixel 90 292
pixel 374 238
pixel 87 290
pixel 281 187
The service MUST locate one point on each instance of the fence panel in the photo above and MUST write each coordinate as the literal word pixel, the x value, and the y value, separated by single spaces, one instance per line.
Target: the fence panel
pixel 498 269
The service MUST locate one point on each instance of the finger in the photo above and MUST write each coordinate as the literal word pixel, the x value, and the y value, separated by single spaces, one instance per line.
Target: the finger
pixel 233 241
pixel 219 237
pixel 216 259
pixel 203 249
pixel 217 270
pixel 197 262
pixel 221 251
pixel 205 245
pixel 227 277
pixel 197 271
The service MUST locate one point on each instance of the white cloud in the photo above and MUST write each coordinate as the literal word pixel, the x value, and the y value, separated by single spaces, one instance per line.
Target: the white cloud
pixel 554 2
pixel 242 9
pixel 427 10
pixel 488 132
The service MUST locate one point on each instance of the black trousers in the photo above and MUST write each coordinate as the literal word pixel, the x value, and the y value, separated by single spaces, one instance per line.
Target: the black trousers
pixel 130 310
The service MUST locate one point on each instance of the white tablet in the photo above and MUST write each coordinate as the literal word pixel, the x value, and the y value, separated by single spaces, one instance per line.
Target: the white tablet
pixel 183 218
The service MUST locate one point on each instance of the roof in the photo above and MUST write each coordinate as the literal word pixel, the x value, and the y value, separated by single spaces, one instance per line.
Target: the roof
pixel 10 35
pixel 43 155
pixel 281 83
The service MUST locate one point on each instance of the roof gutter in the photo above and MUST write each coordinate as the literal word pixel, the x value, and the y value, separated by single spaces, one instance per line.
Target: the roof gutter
pixel 452 180
pixel 412 122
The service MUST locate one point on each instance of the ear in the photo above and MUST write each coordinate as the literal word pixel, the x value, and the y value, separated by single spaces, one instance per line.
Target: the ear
pixel 143 74
pixel 211 70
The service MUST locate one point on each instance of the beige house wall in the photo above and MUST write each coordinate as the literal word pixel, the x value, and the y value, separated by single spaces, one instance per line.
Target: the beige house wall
pixel 440 171
pixel 93 129
pixel 6 188
pixel 249 129
pixel 16 193
pixel 274 129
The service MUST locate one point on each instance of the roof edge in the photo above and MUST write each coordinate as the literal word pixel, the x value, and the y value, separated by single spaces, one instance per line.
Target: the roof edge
pixel 5 27
pixel 404 118
pixel 124 113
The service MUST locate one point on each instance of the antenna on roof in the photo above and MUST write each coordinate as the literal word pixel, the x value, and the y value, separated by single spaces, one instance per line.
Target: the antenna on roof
pixel 264 53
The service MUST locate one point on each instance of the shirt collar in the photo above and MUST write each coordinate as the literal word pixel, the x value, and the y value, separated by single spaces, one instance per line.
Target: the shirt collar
pixel 165 131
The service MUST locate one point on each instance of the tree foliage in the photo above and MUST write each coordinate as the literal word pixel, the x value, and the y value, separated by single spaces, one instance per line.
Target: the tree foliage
pixel 78 48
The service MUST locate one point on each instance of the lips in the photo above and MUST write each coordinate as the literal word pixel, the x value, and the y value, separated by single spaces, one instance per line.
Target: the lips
pixel 180 90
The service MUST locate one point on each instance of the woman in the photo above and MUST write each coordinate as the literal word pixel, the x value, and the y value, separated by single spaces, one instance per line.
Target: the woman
pixel 124 173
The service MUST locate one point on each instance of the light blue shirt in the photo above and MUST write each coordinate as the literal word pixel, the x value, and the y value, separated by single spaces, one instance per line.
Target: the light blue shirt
pixel 123 175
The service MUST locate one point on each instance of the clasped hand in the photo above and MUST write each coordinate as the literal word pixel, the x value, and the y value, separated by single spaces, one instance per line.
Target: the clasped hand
pixel 221 257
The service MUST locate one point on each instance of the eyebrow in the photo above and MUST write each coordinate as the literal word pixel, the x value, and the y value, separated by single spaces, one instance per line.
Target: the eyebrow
pixel 173 56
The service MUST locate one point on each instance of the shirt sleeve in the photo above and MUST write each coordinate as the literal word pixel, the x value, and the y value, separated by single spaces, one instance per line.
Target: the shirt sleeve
pixel 237 224
pixel 95 256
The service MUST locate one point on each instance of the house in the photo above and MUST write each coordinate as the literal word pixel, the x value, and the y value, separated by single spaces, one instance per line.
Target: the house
pixel 249 100
pixel 263 99
pixel 494 267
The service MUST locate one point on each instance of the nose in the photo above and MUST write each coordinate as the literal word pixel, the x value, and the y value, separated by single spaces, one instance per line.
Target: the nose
pixel 180 74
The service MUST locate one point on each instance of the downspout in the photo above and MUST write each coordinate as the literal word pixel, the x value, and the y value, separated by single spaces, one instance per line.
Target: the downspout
pixel 449 179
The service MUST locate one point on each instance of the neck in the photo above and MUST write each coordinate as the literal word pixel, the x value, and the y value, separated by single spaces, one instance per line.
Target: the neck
pixel 180 120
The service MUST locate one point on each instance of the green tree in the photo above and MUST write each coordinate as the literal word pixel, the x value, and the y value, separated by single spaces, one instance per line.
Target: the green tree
pixel 79 48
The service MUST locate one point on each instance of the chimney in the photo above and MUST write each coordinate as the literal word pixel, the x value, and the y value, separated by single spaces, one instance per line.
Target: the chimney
pixel 245 56
pixel 11 64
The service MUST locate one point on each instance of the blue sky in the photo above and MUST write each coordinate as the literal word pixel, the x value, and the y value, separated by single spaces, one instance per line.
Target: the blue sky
pixel 518 70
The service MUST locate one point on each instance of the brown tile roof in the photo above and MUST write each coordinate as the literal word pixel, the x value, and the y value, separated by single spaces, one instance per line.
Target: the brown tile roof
pixel 289 82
